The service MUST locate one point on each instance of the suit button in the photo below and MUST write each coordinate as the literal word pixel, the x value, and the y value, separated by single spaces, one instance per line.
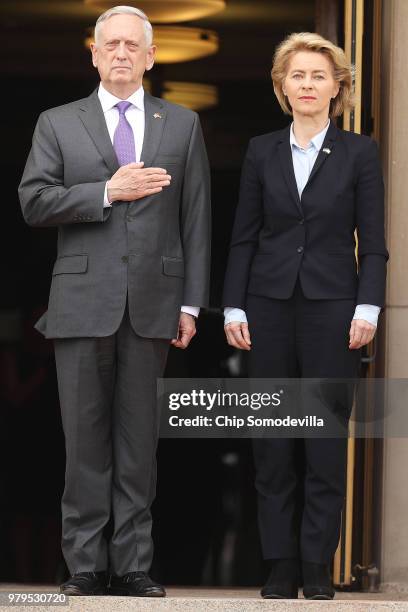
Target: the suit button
pixel 125 259
pixel 300 249
pixel 301 221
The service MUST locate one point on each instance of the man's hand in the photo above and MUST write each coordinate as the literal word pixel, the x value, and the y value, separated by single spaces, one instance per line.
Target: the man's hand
pixel 361 333
pixel 187 330
pixel 132 182
pixel 238 335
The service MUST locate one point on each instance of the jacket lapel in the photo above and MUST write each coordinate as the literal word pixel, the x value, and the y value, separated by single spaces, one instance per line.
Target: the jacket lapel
pixel 92 117
pixel 325 151
pixel 285 157
pixel 155 118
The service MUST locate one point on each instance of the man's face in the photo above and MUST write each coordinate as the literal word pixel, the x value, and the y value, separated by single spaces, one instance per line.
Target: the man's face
pixel 122 54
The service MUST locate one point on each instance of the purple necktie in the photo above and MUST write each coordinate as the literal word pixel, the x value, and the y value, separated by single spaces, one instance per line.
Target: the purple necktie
pixel 123 138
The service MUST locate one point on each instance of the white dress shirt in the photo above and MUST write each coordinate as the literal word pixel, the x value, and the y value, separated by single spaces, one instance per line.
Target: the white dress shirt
pixel 303 162
pixel 135 115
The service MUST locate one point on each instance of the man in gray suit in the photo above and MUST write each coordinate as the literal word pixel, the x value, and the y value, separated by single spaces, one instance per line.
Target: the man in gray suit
pixel 125 178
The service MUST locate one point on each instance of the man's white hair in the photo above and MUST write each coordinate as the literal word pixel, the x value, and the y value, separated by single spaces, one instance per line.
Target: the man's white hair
pixel 125 10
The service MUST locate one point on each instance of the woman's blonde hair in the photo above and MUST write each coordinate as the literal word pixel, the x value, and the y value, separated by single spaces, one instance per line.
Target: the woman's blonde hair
pixel 308 41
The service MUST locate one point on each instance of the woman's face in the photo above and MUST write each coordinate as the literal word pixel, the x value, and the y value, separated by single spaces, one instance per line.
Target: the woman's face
pixel 309 84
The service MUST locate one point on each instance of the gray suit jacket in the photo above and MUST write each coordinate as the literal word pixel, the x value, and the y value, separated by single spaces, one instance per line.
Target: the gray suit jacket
pixel 155 250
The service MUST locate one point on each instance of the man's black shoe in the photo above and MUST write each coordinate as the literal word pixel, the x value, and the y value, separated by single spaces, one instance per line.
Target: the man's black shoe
pixel 316 581
pixel 85 583
pixel 283 580
pixel 135 584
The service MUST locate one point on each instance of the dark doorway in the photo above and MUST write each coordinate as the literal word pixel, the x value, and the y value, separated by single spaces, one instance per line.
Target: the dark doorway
pixel 205 514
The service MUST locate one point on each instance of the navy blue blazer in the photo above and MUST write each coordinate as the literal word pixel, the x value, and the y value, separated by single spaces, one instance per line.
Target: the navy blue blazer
pixel 278 237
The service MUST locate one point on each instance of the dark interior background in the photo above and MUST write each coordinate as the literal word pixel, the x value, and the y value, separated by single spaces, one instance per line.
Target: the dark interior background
pixel 205 512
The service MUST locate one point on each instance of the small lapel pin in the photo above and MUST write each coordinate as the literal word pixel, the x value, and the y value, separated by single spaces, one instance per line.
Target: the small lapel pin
pixel 326 151
pixel 157 116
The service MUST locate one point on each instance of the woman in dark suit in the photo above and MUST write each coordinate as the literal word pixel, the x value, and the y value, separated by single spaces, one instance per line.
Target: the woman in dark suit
pixel 295 297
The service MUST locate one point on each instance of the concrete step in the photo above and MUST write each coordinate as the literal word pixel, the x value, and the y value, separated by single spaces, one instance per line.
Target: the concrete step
pixel 212 600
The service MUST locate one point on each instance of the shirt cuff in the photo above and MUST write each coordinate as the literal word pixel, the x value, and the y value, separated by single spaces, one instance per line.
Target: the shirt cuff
pixel 368 312
pixel 191 310
pixel 106 203
pixel 235 315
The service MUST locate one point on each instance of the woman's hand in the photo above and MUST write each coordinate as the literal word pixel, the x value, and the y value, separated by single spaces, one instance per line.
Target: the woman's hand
pixel 238 335
pixel 361 333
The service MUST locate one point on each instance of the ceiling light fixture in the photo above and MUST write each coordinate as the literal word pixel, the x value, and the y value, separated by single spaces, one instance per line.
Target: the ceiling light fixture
pixel 169 11
pixel 195 96
pixel 181 44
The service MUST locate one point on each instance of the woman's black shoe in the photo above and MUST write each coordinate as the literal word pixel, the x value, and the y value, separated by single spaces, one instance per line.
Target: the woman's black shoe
pixel 283 580
pixel 316 581
pixel 85 583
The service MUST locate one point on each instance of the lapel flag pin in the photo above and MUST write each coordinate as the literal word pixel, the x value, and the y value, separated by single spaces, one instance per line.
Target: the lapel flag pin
pixel 326 151
pixel 157 116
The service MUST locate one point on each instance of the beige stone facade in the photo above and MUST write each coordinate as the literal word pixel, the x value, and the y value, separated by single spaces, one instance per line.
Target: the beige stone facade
pixel 394 149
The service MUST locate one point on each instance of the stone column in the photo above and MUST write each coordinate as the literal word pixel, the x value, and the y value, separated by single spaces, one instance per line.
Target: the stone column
pixel 394 150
